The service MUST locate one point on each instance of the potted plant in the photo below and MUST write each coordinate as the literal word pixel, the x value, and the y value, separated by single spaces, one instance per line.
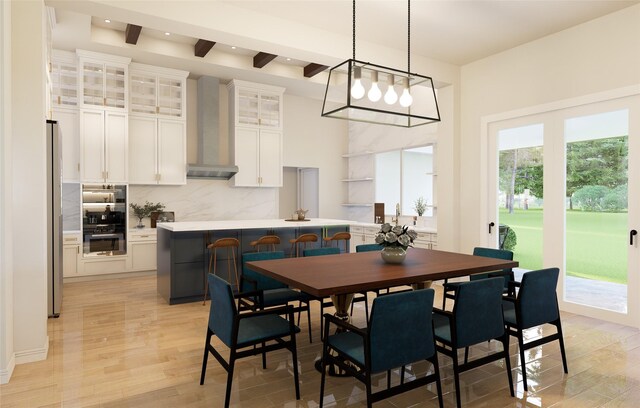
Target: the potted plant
pixel 395 241
pixel 144 211
pixel 420 206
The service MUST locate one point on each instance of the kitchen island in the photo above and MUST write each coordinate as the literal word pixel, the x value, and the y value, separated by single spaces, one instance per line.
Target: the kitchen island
pixel 183 257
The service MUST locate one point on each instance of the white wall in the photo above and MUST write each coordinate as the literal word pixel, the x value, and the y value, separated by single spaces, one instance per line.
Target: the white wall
pixel 7 360
pixel 29 186
pixel 599 55
pixel 288 194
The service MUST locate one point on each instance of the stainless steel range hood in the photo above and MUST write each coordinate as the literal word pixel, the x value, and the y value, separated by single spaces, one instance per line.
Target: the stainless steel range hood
pixel 208 165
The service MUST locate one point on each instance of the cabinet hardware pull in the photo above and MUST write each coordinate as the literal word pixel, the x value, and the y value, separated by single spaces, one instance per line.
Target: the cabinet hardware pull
pixel 632 234
pixel 59 99
pixel 78 166
pixel 104 101
pixel 157 109
pixel 77 250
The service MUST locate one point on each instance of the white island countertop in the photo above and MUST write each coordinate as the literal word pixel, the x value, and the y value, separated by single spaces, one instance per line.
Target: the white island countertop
pixel 188 226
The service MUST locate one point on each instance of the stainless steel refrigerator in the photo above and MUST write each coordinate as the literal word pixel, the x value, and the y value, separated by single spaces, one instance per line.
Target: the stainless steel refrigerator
pixel 54 219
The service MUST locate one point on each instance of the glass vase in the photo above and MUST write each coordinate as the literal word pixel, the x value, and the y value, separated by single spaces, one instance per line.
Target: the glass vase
pixel 393 255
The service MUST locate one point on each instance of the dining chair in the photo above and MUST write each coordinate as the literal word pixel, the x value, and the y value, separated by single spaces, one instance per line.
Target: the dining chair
pixel 325 301
pixel 476 318
pixel 274 293
pixel 368 247
pixel 387 343
pixel 246 334
pixel 535 304
pixel 507 274
pixel 231 245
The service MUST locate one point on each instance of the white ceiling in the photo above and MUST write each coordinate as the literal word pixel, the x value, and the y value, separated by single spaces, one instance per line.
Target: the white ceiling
pixel 456 32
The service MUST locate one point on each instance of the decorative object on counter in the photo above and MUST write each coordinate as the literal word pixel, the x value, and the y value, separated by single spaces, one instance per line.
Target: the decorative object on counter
pixel 144 211
pixel 161 216
pixel 301 214
pixel 420 206
pixel 395 241
pixel 417 104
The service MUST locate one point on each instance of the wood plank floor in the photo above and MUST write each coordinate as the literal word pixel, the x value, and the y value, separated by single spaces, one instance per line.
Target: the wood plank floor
pixel 118 344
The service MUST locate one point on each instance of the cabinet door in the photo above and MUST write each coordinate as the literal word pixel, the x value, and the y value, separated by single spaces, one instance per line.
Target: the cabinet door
pixel 142 92
pixel 116 125
pixel 70 255
pixel 68 123
pixel 246 157
pixel 143 256
pixel 170 96
pixel 172 152
pixel 64 83
pixel 143 150
pixel 92 142
pixel 115 86
pixel 270 110
pixel 92 83
pixel 248 107
pixel 270 158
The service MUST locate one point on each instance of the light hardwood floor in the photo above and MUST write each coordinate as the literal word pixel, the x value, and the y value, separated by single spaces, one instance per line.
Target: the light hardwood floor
pixel 118 344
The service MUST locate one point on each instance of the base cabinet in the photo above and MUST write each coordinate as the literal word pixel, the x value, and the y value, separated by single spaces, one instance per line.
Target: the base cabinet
pixel 70 254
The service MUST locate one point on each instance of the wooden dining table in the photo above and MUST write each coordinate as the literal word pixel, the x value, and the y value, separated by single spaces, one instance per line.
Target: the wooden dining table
pixel 339 276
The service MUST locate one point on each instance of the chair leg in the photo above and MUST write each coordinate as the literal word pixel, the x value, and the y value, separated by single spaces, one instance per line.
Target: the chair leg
pixel 523 363
pixel 294 357
pixel 436 369
pixel 456 377
pixel 309 322
pixel 444 294
pixel 206 283
pixel 323 364
pixel 206 356
pixel 402 375
pixel 466 354
pixel 232 362
pixel 388 379
pixel 264 357
pixel 366 306
pixel 507 361
pixel 561 340
pixel 368 387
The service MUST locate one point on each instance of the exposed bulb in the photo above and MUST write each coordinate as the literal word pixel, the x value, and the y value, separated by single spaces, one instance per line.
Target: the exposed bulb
pixel 357 90
pixel 374 93
pixel 391 97
pixel 406 99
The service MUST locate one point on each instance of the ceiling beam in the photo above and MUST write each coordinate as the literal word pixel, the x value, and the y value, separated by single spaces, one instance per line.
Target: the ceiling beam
pixel 262 58
pixel 132 33
pixel 202 47
pixel 314 69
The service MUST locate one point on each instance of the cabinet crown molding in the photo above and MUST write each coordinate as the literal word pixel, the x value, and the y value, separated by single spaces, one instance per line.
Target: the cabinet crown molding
pixel 102 57
pixel 153 69
pixel 246 84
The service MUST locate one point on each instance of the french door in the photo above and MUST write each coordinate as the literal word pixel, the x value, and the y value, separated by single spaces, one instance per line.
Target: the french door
pixel 564 191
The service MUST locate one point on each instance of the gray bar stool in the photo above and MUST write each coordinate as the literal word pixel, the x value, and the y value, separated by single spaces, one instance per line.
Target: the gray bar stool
pixel 231 245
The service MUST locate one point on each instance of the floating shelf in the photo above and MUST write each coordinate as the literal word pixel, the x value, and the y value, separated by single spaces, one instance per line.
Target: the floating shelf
pixel 357 154
pixel 358 179
pixel 357 205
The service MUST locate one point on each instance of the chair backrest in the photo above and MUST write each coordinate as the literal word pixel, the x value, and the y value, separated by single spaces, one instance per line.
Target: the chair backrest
pixel 264 282
pixel 537 297
pixel 498 254
pixel 223 309
pixel 368 247
pixel 400 329
pixel 307 238
pixel 321 251
pixel 478 311
pixel 340 236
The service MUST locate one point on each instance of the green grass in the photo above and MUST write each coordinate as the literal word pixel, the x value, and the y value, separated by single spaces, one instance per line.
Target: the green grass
pixel 596 243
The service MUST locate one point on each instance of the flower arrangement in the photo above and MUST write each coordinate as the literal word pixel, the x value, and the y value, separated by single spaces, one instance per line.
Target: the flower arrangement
pixel 420 206
pixel 143 211
pixel 398 236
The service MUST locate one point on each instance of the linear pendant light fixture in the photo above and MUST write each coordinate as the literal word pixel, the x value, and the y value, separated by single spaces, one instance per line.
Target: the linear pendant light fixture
pixel 366 92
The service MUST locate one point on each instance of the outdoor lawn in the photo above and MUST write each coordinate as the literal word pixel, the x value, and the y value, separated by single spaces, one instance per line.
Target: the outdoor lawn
pixel 596 242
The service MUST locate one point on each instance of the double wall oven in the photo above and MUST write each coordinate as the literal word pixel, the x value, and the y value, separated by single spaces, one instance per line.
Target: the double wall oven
pixel 104 219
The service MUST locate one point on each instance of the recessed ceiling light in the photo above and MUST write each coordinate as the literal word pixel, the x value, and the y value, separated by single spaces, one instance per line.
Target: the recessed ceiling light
pixel 106 20
pixel 233 47
pixel 167 33
pixel 288 59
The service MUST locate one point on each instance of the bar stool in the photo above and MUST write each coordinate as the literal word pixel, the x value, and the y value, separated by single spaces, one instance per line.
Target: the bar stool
pixel 266 240
pixel 231 244
pixel 337 237
pixel 302 239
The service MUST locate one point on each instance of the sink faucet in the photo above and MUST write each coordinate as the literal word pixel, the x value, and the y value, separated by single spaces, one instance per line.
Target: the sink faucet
pixel 397 217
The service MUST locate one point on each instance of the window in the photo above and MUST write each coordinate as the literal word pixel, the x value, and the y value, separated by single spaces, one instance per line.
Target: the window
pixel 402 176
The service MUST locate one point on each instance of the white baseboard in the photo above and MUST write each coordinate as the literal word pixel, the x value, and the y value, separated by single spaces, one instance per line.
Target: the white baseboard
pixel 29 356
pixel 5 373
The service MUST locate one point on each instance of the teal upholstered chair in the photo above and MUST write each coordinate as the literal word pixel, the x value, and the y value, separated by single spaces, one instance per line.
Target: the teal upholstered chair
pixel 389 342
pixel 246 334
pixel 476 318
pixel 274 293
pixel 536 304
pixel 368 247
pixel 507 274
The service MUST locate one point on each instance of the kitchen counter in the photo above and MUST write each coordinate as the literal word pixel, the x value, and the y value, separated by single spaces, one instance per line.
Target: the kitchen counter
pixel 192 226
pixel 414 227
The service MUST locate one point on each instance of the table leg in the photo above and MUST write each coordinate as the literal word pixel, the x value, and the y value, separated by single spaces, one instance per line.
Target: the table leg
pixel 342 303
pixel 421 285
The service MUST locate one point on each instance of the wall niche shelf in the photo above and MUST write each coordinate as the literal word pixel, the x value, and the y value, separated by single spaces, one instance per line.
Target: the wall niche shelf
pixel 349 180
pixel 366 153
pixel 357 205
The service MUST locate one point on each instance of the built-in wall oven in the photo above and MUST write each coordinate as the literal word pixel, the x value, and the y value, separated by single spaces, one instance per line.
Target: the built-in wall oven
pixel 104 221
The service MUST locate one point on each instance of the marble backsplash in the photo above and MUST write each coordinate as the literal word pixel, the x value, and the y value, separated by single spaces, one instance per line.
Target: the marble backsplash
pixel 210 200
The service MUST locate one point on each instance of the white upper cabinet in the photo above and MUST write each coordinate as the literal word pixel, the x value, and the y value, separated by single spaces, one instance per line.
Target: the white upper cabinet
pixel 157 91
pixel 255 118
pixel 104 80
pixel 68 124
pixel 104 145
pixel 64 79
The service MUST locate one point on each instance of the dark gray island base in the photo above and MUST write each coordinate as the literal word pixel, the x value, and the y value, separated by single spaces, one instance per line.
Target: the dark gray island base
pixel 183 257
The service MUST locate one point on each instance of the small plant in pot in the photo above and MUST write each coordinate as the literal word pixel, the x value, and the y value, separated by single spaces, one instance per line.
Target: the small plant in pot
pixel 144 211
pixel 420 206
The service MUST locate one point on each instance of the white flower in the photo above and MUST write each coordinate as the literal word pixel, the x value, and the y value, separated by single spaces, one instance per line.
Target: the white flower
pixel 379 238
pixel 397 230
pixel 412 234
pixel 390 237
pixel 386 227
pixel 404 240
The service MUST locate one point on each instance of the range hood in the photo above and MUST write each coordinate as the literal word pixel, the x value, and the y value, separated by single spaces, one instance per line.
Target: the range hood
pixel 208 165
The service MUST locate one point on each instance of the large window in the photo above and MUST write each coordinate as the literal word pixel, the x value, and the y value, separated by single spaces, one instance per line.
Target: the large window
pixel 404 176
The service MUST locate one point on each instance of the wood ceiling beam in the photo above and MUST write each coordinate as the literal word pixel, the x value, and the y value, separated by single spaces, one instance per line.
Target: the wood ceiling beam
pixel 132 33
pixel 262 58
pixel 202 47
pixel 314 69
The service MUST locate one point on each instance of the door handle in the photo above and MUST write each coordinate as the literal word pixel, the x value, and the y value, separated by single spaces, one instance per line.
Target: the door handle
pixel 491 225
pixel 632 233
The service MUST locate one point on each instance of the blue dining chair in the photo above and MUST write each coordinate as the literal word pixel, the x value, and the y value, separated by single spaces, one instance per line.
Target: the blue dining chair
pixel 368 247
pixel 506 274
pixel 535 304
pixel 389 342
pixel 274 293
pixel 246 334
pixel 476 318
pixel 324 302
